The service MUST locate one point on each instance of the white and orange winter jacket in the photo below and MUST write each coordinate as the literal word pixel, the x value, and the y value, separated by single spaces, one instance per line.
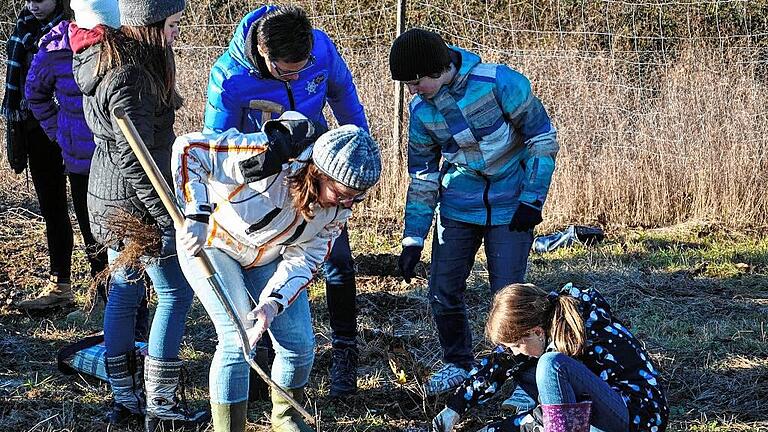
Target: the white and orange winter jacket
pixel 254 223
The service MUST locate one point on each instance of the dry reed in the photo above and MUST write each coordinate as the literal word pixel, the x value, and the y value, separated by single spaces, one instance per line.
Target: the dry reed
pixel 691 148
pixel 653 130
pixel 661 115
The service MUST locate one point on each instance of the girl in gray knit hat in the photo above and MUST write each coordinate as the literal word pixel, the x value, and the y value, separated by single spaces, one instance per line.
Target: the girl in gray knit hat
pixel 267 239
pixel 133 68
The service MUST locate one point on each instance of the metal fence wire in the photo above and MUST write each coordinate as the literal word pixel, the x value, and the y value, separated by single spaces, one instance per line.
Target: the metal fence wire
pixel 670 94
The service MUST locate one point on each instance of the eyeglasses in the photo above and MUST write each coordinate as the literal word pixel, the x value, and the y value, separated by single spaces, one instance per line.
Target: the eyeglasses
pixel 345 199
pixel 282 73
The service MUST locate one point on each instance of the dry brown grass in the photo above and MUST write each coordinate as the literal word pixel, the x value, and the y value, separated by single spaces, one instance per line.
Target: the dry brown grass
pixel 693 148
pixel 648 138
pixel 696 295
pixel 661 116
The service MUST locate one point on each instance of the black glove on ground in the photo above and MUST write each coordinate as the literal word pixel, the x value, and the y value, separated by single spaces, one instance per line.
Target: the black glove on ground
pixel 525 218
pixel 409 257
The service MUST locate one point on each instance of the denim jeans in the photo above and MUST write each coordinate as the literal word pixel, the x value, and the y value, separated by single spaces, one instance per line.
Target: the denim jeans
pixel 126 294
pixel 340 290
pixel 560 379
pixel 291 331
pixel 454 245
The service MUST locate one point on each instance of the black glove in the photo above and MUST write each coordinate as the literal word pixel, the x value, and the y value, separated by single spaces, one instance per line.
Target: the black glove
pixel 409 257
pixel 18 151
pixel 525 218
pixel 287 139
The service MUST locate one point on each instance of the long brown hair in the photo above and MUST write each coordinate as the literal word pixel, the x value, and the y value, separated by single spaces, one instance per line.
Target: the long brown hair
pixel 66 9
pixel 518 308
pixel 145 46
pixel 304 185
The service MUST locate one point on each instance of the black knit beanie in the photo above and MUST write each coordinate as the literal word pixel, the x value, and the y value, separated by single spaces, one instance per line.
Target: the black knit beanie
pixel 416 54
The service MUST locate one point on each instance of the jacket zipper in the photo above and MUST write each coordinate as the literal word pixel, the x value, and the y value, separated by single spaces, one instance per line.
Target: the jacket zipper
pixel 485 199
pixel 290 95
pixel 271 241
pixel 288 89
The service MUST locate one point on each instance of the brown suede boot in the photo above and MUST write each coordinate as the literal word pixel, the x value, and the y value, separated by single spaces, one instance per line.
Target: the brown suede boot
pixel 55 294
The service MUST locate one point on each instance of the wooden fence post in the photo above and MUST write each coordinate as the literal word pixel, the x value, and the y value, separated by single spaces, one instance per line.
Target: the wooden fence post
pixel 399 93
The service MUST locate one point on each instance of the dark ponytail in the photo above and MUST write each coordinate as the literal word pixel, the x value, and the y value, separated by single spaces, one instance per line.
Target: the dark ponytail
pixel 66 9
pixel 147 47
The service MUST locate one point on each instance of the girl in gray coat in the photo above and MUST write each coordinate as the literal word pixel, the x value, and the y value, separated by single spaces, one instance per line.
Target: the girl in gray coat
pixel 133 68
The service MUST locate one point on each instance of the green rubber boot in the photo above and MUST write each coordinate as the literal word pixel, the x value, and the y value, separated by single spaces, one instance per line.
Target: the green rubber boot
pixel 284 417
pixel 229 417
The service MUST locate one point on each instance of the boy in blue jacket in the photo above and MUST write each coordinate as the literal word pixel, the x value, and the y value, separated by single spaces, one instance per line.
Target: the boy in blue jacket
pixel 497 147
pixel 276 55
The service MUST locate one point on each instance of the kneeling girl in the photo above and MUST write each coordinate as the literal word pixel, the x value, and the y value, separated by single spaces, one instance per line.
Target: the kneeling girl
pixel 567 351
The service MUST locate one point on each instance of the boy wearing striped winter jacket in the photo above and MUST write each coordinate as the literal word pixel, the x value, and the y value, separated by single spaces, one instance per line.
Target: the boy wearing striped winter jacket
pixel 498 149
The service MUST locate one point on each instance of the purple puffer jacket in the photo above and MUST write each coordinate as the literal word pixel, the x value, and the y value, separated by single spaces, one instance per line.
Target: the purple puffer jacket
pixel 56 100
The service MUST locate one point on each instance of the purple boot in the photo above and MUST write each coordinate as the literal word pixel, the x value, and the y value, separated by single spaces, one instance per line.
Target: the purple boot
pixel 573 417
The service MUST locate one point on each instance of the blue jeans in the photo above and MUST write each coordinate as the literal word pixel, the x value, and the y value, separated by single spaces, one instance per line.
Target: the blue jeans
pixel 126 294
pixel 560 379
pixel 454 245
pixel 291 331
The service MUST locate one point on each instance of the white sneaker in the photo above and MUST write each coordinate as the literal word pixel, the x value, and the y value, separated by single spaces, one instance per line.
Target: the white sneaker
pixel 446 379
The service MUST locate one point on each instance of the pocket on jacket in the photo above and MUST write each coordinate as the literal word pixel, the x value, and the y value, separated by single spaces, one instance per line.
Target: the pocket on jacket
pixel 485 113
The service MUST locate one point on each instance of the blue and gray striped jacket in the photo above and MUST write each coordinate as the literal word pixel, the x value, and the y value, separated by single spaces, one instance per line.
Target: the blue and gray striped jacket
pixel 497 144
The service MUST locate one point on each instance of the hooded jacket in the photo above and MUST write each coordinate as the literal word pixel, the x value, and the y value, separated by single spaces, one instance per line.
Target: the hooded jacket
pixel 117 180
pixel 253 222
pixel 496 143
pixel 235 80
pixel 57 102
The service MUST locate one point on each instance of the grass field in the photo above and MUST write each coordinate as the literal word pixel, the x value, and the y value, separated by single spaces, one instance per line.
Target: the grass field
pixel 696 294
pixel 682 125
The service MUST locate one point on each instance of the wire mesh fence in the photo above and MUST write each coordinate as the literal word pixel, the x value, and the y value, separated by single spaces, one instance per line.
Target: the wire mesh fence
pixel 660 105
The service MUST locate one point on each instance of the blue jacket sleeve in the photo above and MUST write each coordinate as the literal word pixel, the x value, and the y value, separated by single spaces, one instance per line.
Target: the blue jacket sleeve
pixel 529 118
pixel 39 91
pixel 221 111
pixel 424 170
pixel 342 93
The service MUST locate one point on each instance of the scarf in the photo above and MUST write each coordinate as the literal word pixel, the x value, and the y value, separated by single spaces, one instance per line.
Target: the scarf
pixel 81 38
pixel 22 43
